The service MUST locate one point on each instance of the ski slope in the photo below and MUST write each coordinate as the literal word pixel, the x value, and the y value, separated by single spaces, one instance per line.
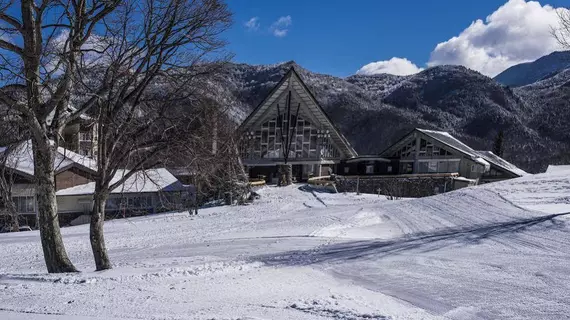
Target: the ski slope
pixel 498 251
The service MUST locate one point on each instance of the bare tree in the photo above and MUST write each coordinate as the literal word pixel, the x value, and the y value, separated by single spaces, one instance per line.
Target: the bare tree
pixel 7 178
pixel 29 61
pixel 214 160
pixel 562 32
pixel 151 53
pixel 12 133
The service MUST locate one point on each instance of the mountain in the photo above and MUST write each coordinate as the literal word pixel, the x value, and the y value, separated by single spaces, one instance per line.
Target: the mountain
pixel 375 111
pixel 530 72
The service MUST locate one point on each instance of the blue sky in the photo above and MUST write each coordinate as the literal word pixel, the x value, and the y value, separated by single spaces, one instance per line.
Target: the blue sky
pixel 340 37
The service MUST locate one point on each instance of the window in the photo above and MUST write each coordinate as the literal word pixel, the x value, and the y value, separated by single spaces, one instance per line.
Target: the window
pixel 453 166
pixel 432 167
pixel 85 152
pixel 369 169
pixel 442 166
pixel 346 170
pixel 85 136
pixel 306 140
pixel 389 169
pixel 406 167
pixel 24 204
pixel 139 202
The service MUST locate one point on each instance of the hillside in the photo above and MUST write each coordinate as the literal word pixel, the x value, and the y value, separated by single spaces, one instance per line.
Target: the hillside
pixel 375 111
pixel 530 72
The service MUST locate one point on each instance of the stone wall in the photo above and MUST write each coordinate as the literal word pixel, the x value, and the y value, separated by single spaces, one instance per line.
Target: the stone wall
pixel 396 186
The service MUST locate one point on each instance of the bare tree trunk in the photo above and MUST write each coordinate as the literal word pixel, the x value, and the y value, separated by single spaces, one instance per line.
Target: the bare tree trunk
pixel 14 214
pixel 6 184
pixel 285 175
pixel 54 251
pixel 102 261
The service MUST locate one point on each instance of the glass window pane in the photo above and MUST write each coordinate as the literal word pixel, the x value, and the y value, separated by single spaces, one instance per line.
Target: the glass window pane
pixel 442 166
pixel 305 150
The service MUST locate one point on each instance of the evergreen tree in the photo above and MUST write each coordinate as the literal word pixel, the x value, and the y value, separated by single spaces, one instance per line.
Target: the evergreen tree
pixel 498 148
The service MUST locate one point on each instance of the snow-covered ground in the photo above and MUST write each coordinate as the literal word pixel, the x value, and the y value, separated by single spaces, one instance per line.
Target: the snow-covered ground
pixel 498 251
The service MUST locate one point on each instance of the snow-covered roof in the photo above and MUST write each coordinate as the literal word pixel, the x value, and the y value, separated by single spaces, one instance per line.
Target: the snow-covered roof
pixel 70 110
pixel 464 179
pixel 22 159
pixel 448 139
pixel 502 163
pixel 558 169
pixel 483 157
pixel 151 180
pixel 368 158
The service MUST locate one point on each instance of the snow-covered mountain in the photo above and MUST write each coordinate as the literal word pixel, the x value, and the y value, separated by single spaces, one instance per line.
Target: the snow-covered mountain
pixel 530 72
pixel 375 111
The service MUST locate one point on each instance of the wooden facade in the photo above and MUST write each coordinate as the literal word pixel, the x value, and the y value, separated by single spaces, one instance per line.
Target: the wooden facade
pixel 425 152
pixel 290 127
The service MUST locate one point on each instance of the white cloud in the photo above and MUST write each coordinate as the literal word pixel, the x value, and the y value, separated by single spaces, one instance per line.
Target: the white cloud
pixel 252 24
pixel 516 32
pixel 397 66
pixel 280 27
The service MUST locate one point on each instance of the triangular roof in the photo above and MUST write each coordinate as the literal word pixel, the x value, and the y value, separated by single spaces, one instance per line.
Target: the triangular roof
pixel 483 157
pixel 150 180
pixel 452 142
pixel 21 160
pixel 488 156
pixel 292 81
pixel 444 138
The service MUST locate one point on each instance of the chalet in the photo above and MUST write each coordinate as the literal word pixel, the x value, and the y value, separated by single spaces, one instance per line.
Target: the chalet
pixel 289 126
pixel 429 152
pixel 150 191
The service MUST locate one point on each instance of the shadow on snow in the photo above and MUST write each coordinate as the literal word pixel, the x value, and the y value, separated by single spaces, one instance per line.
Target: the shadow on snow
pixel 503 233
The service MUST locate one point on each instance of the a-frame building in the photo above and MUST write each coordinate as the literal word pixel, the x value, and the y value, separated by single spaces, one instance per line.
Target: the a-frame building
pixel 290 127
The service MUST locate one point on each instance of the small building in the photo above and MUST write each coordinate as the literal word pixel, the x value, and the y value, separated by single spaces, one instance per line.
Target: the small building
pixel 289 126
pixel 70 169
pixel 429 152
pixel 434 160
pixel 149 191
pixel 145 192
